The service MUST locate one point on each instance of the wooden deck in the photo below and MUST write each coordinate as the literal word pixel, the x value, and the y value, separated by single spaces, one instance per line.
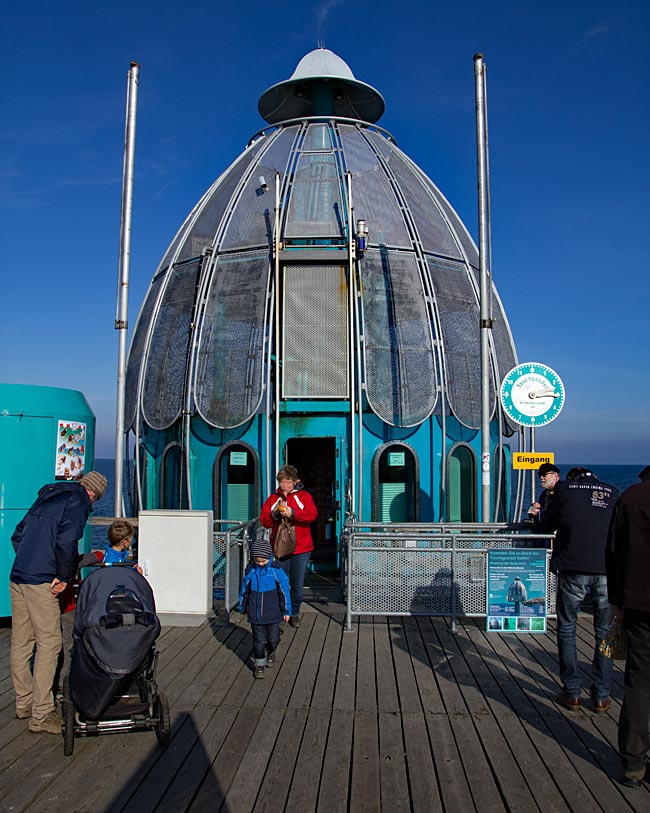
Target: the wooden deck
pixel 398 715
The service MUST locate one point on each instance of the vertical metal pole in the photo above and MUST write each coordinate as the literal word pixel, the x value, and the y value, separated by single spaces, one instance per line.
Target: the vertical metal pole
pixel 121 323
pixel 485 315
pixel 351 355
pixel 277 328
pixel 532 472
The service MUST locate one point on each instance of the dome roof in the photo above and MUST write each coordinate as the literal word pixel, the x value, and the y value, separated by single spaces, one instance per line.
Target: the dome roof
pixel 321 85
pixel 204 336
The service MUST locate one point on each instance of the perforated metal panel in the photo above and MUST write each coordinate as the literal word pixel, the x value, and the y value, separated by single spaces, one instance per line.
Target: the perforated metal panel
pixel 202 233
pixel 372 196
pixel 459 323
pixel 315 332
pixel 399 356
pixel 164 377
pixel 433 231
pixel 229 363
pixel 315 207
pixel 136 351
pixel 252 219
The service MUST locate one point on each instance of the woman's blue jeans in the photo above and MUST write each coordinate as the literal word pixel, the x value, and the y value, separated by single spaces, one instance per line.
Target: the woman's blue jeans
pixel 571 590
pixel 295 566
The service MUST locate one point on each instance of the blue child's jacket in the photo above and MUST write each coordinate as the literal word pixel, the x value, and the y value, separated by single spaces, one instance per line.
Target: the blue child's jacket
pixel 264 593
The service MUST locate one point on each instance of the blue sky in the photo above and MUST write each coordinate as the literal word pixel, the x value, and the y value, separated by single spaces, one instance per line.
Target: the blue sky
pixel 568 99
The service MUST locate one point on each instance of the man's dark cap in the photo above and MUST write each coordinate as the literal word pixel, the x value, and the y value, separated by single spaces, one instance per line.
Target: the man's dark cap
pixel 547 468
pixel 578 472
pixel 644 474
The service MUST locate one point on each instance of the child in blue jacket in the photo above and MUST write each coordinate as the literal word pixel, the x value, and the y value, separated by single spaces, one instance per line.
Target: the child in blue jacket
pixel 264 595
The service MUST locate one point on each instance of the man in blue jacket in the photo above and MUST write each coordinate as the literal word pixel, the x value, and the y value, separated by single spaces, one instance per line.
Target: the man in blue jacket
pixel 580 513
pixel 45 542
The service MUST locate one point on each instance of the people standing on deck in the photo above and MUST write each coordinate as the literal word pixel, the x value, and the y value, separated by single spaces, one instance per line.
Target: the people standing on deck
pixel 579 513
pixel 294 502
pixel 549 477
pixel 628 582
pixel 45 542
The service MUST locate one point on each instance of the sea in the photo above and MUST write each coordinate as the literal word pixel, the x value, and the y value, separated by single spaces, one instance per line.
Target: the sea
pixel 620 476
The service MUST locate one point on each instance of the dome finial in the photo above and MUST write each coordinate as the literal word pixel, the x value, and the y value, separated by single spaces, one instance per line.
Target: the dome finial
pixel 321 85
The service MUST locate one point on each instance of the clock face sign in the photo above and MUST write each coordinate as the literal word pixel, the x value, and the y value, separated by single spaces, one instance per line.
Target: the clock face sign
pixel 532 394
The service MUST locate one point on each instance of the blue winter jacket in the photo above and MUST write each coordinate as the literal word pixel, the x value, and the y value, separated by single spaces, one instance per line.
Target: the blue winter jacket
pixel 45 540
pixel 264 593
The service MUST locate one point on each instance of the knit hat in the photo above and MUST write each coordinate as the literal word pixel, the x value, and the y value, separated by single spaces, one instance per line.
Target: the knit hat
pixel 95 482
pixel 547 468
pixel 261 545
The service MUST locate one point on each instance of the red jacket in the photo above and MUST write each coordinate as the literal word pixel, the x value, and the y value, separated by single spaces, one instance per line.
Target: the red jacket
pixel 304 513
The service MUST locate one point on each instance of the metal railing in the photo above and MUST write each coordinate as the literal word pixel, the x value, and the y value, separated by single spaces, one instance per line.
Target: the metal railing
pixel 231 540
pixel 437 569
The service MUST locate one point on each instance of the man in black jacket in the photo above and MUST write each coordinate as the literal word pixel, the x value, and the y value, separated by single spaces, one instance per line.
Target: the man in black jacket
pixel 45 542
pixel 580 513
pixel 628 582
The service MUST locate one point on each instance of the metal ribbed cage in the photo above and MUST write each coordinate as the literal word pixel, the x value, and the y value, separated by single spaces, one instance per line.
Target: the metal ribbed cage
pixel 164 377
pixel 459 324
pixel 137 350
pixel 315 332
pixel 399 356
pixel 315 206
pixel 372 196
pixel 229 363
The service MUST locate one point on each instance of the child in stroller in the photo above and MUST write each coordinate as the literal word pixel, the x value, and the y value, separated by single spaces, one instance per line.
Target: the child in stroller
pixel 111 686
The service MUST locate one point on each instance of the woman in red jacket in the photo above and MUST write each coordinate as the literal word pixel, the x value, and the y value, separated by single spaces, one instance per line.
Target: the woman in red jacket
pixel 293 501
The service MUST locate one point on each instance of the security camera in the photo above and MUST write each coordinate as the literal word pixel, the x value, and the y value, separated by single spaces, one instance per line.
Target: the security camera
pixel 263 184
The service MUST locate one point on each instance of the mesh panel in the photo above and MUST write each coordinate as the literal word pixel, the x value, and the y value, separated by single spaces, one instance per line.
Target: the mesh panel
pixel 315 208
pixel 315 339
pixel 203 232
pixel 164 378
pixel 456 223
pixel 251 223
pixel 137 349
pixel 459 324
pixel 399 355
pixel 228 379
pixel 432 228
pixel 372 195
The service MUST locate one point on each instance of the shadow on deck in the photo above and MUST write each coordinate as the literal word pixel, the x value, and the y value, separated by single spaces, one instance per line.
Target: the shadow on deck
pixel 398 715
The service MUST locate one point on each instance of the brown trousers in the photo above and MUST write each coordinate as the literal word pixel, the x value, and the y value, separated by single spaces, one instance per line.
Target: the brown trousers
pixel 36 619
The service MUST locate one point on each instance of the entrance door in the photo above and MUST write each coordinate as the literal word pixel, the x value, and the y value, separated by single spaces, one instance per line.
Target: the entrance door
pixel 318 461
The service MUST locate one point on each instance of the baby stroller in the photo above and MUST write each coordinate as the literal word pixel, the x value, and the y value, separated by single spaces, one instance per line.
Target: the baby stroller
pixel 111 686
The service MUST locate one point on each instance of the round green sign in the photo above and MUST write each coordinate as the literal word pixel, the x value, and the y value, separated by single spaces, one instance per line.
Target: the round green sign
pixel 532 394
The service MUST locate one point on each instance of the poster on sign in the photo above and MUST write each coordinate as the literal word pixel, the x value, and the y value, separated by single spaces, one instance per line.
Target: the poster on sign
pixel 70 450
pixel 516 594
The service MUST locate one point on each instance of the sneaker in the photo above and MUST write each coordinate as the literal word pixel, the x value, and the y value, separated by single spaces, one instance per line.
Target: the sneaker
pixel 567 701
pixel 50 724
pixel 633 779
pixel 295 621
pixel 270 658
pixel 23 714
pixel 258 672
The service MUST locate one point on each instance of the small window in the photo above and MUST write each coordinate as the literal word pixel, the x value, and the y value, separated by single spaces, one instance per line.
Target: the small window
pixel 461 488
pixel 235 483
pixel 174 480
pixel 396 485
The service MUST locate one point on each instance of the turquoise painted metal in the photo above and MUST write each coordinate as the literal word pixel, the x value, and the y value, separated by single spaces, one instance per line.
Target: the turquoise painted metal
pixel 30 438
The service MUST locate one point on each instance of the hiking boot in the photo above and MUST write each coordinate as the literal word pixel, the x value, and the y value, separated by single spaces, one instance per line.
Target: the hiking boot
pixel 567 701
pixel 270 658
pixel 258 672
pixel 295 621
pixel 602 706
pixel 23 714
pixel 633 779
pixel 50 724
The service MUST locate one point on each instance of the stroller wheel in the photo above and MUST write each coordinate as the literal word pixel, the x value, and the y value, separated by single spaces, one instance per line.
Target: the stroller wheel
pixel 163 728
pixel 68 720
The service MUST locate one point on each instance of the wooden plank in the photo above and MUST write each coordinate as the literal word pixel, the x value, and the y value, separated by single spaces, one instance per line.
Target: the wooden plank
pixel 365 792
pixel 453 790
pixel 366 688
pixel 211 685
pixel 282 690
pixel 224 766
pixel 344 693
pixel 303 795
pixel 335 778
pixel 323 695
pixel 423 787
pixel 409 697
pixel 306 678
pixel 387 696
pixel 393 779
pixel 277 781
